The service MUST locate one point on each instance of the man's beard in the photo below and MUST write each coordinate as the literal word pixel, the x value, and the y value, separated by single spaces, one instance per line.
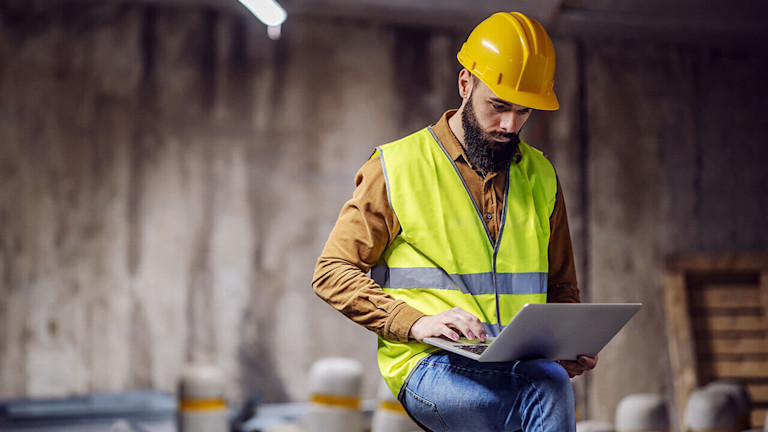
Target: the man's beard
pixel 483 152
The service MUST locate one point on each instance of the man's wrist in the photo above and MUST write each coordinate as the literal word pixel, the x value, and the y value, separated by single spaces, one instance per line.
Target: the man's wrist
pixel 401 321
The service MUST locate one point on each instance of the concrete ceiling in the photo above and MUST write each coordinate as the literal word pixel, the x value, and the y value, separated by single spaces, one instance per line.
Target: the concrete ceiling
pixel 718 21
pixel 683 20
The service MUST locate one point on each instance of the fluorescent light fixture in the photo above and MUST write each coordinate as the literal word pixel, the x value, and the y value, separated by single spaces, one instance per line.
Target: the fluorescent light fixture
pixel 274 32
pixel 267 11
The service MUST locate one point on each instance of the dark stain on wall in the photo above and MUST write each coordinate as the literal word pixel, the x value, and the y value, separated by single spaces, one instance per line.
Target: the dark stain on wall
pixel 695 101
pixel 22 21
pixel 413 82
pixel 148 39
pixel 201 335
pixel 144 138
pixel 257 369
pixel 239 70
pixel 141 355
pixel 208 59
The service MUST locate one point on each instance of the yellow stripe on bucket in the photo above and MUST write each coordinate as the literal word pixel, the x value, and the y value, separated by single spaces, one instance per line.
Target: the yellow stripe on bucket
pixel 349 402
pixel 395 406
pixel 196 405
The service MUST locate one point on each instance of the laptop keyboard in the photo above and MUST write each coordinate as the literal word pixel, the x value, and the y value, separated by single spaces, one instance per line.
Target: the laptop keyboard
pixel 473 348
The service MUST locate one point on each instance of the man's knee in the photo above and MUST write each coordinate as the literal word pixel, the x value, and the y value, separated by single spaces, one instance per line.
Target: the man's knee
pixel 546 374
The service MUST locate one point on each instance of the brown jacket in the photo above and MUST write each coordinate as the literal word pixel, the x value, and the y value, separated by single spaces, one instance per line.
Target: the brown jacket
pixel 367 225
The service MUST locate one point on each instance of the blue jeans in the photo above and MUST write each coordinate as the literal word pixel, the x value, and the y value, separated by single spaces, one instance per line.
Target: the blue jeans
pixel 448 392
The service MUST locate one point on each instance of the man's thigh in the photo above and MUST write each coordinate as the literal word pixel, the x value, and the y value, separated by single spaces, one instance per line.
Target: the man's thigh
pixel 448 392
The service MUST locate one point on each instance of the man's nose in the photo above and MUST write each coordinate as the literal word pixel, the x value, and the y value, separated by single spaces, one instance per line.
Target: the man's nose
pixel 509 122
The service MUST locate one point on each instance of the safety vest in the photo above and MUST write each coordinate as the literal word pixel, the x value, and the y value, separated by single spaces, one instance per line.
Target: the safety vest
pixel 443 256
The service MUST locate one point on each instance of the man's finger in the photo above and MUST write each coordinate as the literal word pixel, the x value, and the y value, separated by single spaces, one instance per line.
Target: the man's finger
pixel 450 334
pixel 587 363
pixel 459 327
pixel 466 323
pixel 572 367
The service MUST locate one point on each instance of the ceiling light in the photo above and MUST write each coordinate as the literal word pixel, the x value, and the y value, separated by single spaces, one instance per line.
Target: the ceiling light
pixel 267 11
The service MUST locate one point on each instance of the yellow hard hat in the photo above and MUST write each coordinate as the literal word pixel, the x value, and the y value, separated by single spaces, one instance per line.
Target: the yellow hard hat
pixel 513 55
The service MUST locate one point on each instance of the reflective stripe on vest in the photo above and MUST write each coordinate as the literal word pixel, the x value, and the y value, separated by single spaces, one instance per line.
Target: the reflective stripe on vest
pixel 481 283
pixel 444 257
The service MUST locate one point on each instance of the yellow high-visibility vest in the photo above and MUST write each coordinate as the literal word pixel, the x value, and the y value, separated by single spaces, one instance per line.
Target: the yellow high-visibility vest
pixel 443 256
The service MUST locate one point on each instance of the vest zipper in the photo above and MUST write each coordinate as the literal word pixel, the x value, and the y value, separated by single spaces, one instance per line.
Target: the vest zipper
pixel 487 231
pixel 496 251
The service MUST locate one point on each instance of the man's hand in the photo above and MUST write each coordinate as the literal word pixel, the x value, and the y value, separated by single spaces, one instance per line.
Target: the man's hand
pixel 578 367
pixel 452 324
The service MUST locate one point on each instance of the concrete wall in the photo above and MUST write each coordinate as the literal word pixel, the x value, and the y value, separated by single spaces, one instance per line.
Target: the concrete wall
pixel 677 155
pixel 662 149
pixel 169 176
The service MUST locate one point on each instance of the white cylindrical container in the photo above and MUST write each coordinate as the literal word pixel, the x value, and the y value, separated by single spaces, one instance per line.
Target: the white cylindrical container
pixel 390 416
pixel 202 406
pixel 334 385
pixel 642 412
pixel 594 426
pixel 740 397
pixel 711 411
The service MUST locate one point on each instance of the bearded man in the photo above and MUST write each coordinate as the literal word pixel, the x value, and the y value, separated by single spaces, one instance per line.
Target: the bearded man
pixel 461 224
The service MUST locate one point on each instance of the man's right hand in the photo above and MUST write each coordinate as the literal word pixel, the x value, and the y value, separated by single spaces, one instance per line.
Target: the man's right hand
pixel 452 324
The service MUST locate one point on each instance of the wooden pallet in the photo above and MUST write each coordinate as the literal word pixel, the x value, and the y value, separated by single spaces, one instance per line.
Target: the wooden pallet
pixel 717 324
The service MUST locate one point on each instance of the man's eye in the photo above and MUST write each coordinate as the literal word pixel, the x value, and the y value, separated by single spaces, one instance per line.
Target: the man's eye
pixel 498 107
pixel 524 111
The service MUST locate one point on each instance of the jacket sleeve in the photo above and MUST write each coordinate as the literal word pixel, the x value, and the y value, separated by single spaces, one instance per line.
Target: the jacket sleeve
pixel 366 225
pixel 562 286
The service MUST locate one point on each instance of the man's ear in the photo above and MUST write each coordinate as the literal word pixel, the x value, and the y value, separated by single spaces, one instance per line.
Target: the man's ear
pixel 465 84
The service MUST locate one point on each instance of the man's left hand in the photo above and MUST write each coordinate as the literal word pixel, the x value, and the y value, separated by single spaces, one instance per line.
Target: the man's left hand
pixel 578 366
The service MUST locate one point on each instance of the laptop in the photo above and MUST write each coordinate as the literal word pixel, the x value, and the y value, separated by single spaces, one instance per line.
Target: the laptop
pixel 557 331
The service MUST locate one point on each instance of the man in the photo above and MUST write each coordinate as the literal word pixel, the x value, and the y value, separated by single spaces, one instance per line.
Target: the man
pixel 460 225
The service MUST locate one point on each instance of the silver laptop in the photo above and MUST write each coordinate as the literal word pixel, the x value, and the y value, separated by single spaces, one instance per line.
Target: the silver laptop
pixel 557 331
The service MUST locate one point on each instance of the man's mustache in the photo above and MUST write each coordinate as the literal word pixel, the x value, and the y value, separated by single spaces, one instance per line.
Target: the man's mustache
pixel 511 137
